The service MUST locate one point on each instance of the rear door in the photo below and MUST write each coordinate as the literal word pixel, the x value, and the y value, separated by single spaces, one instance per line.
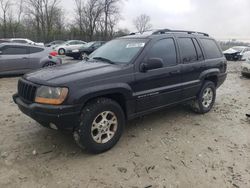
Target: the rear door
pixel 160 87
pixel 193 64
pixel 36 53
pixel 14 59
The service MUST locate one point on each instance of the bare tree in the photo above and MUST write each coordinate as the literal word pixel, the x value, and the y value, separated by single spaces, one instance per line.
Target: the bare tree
pixel 111 15
pixel 5 6
pixel 142 23
pixel 44 13
pixel 80 15
pixel 92 11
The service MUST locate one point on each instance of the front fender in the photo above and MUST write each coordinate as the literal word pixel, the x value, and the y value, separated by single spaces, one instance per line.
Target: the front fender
pixel 86 94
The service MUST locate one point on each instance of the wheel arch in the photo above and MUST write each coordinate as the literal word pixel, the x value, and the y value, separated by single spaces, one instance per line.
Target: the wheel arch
pixel 121 95
pixel 210 75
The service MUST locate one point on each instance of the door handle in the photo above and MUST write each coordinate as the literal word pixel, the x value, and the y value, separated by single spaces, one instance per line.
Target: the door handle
pixel 175 72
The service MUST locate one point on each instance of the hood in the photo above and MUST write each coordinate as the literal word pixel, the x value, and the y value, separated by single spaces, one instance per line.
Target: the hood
pixel 230 51
pixel 61 75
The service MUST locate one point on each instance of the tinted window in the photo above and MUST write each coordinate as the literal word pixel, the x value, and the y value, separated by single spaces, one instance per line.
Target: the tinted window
pixel 188 51
pixel 211 49
pixel 35 50
pixel 164 49
pixel 14 50
pixel 198 49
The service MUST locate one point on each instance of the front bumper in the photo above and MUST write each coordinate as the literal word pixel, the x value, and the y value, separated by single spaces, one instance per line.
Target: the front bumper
pixel 63 117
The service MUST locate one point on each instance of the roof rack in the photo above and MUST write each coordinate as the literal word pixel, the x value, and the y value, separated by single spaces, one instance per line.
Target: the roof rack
pixel 164 31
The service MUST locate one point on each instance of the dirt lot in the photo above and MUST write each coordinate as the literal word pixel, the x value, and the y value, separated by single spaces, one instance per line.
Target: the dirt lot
pixel 172 148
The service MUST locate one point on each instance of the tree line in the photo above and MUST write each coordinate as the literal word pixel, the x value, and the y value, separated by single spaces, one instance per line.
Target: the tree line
pixel 45 20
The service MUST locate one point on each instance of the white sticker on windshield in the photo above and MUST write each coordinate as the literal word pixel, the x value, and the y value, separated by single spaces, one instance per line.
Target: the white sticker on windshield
pixel 135 45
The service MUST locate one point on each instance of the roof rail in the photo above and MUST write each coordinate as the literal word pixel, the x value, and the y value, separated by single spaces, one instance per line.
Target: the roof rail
pixel 164 31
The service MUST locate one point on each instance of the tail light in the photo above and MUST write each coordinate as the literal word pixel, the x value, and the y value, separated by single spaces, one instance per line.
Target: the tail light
pixel 53 54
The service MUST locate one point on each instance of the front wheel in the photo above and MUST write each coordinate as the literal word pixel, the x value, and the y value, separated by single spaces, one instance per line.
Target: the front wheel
pixel 84 56
pixel 101 125
pixel 205 99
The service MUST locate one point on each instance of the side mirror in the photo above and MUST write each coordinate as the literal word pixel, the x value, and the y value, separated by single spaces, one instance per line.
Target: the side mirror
pixel 151 64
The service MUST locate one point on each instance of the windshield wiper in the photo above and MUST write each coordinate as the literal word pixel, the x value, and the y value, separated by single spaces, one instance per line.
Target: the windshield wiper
pixel 104 59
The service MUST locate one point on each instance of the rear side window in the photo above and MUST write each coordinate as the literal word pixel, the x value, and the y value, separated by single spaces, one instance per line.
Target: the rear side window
pixel 198 50
pixel 164 49
pixel 188 51
pixel 35 50
pixel 14 50
pixel 211 48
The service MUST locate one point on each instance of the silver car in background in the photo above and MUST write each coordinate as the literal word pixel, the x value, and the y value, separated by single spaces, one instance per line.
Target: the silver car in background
pixel 21 58
pixel 69 45
pixel 23 41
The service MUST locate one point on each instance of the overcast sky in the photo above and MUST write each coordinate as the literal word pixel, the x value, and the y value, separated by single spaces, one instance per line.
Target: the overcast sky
pixel 223 19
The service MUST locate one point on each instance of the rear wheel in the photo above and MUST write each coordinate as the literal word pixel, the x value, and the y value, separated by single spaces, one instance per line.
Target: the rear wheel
pixel 49 64
pixel 205 99
pixel 61 51
pixel 101 125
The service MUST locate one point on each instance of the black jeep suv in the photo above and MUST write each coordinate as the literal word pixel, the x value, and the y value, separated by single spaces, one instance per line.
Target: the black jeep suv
pixel 126 78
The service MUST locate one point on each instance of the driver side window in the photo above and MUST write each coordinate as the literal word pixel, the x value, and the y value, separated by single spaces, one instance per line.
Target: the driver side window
pixel 164 49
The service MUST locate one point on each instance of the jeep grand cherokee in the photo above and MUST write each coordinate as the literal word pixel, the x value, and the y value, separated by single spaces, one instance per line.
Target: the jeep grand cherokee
pixel 126 78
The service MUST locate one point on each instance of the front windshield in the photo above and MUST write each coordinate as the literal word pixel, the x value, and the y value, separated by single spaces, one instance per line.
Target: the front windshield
pixel 119 51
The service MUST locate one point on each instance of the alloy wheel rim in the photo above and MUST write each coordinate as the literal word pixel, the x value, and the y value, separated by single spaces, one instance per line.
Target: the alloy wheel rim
pixel 104 127
pixel 84 55
pixel 207 97
pixel 61 51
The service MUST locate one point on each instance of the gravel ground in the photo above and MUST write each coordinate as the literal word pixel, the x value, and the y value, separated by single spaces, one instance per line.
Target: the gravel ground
pixel 173 148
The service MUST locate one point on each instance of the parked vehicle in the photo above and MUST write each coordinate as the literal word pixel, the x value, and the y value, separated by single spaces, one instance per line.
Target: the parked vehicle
pixel 124 79
pixel 245 68
pixel 84 51
pixel 236 53
pixel 56 42
pixel 21 58
pixel 24 41
pixel 246 56
pixel 72 44
pixel 4 41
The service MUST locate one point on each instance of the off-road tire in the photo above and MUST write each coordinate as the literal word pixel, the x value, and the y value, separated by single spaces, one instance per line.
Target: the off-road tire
pixel 83 133
pixel 197 105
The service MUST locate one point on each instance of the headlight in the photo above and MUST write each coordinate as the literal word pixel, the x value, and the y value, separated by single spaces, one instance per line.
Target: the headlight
pixel 51 95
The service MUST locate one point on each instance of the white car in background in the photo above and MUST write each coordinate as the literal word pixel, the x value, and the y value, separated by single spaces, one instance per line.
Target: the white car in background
pixel 24 41
pixel 69 45
pixel 245 67
pixel 236 53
